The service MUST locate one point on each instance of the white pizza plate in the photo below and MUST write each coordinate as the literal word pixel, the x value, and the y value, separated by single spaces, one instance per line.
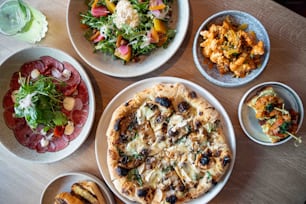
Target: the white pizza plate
pixel 63 183
pixel 247 118
pixel 128 93
pixel 211 73
pixel 105 63
pixel 7 139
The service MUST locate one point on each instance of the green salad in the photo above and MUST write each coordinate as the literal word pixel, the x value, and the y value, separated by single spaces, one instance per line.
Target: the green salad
pixel 128 29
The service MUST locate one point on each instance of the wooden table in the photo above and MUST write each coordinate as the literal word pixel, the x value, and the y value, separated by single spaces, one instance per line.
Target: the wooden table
pixel 261 174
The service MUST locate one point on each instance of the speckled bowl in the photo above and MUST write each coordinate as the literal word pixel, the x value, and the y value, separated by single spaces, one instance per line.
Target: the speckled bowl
pixel 7 139
pixel 211 73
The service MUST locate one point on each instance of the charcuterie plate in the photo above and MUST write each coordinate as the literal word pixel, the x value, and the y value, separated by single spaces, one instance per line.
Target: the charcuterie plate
pixel 38 142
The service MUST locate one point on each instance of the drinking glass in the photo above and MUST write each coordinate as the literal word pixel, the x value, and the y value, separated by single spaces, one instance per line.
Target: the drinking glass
pixel 21 21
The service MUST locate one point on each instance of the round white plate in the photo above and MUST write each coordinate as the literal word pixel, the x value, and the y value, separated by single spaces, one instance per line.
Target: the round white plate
pixel 106 64
pixel 211 73
pixel 247 118
pixel 128 93
pixel 63 183
pixel 7 138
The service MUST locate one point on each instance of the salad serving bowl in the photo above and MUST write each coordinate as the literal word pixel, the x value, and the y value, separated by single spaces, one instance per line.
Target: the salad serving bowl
pixel 105 63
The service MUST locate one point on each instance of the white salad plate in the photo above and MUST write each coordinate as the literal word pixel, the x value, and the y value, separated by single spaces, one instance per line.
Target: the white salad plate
pixel 210 72
pixel 105 63
pixel 250 124
pixel 63 183
pixel 7 139
pixel 126 94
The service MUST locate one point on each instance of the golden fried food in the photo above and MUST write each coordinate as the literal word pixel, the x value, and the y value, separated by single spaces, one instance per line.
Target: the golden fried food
pixel 231 48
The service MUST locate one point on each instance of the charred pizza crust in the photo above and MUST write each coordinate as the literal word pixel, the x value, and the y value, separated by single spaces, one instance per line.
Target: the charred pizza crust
pixel 166 145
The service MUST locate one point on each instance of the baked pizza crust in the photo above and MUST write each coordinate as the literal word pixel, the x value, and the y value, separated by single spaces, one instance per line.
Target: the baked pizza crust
pixel 166 145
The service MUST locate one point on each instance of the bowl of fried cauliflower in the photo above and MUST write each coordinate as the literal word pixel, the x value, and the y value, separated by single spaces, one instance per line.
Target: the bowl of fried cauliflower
pixel 231 48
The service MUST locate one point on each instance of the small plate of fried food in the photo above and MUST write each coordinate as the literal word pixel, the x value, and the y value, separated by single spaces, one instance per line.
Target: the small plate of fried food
pixel 271 113
pixel 76 188
pixel 231 48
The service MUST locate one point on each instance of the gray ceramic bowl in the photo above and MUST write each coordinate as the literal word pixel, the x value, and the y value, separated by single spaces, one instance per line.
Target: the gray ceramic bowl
pixel 247 118
pixel 211 73
pixel 7 139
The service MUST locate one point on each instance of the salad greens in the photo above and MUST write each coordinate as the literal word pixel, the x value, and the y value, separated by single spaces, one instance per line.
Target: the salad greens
pixel 39 102
pixel 138 38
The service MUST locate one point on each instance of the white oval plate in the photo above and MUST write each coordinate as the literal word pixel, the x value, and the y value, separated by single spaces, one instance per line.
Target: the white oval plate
pixel 247 118
pixel 104 63
pixel 7 138
pixel 128 93
pixel 63 183
pixel 211 73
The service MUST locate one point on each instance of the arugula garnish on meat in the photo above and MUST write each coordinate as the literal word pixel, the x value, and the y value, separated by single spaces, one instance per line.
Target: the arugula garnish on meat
pixel 39 102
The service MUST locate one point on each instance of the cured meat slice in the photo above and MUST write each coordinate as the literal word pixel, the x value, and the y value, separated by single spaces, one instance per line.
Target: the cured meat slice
pixel 23 135
pixel 34 140
pixel 51 62
pixel 83 92
pixel 41 149
pixel 74 80
pixel 79 117
pixel 78 104
pixel 27 67
pixel 58 144
pixel 12 122
pixel 14 83
pixel 7 100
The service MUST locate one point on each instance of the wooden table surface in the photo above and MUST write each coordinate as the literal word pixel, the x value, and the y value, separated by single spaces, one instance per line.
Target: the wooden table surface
pixel 261 174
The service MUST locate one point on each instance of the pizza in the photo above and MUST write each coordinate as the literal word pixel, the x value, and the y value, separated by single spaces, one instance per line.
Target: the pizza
pixel 166 145
pixel 276 122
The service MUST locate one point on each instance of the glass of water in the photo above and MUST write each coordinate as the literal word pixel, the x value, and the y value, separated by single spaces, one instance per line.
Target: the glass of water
pixel 22 21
